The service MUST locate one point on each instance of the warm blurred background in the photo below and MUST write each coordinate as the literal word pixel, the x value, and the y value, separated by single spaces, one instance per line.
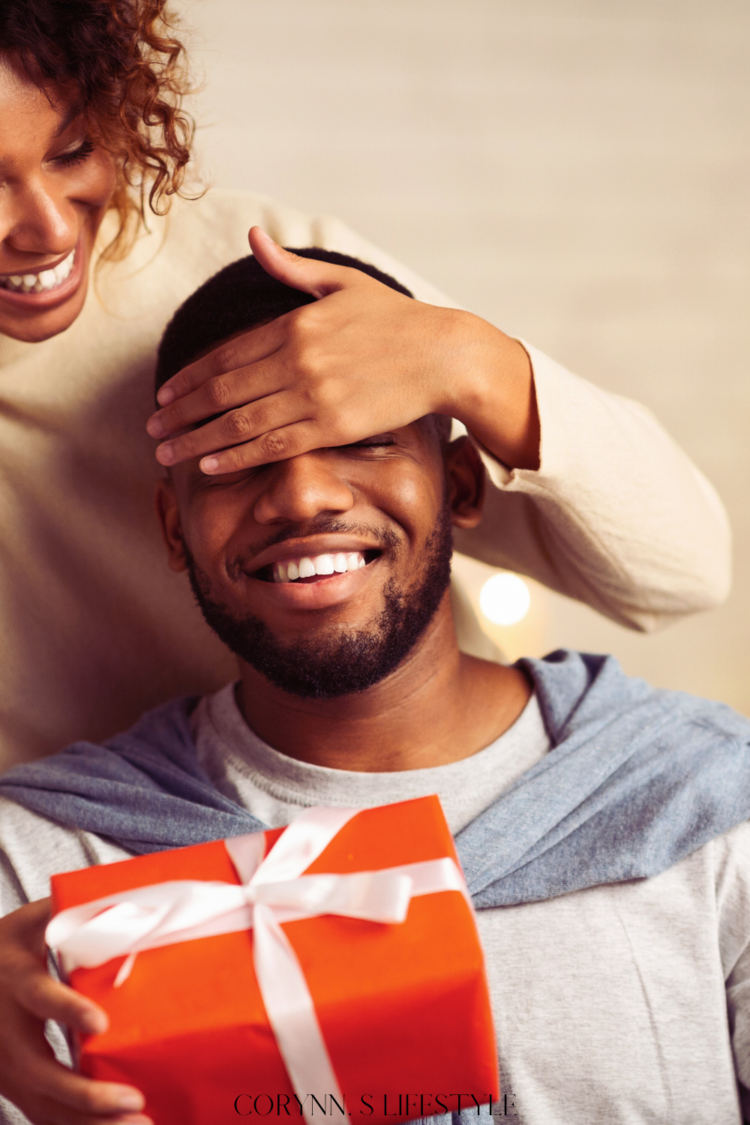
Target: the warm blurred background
pixel 575 171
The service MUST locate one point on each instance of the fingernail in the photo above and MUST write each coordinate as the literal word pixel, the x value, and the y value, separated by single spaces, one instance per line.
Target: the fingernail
pixel 94 1023
pixel 155 427
pixel 165 454
pixel 209 465
pixel 164 396
pixel 132 1100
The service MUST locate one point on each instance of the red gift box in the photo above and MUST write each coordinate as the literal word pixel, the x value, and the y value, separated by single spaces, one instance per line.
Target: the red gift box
pixel 402 1008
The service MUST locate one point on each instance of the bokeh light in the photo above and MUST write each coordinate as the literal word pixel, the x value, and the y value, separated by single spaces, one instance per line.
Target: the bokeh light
pixel 505 599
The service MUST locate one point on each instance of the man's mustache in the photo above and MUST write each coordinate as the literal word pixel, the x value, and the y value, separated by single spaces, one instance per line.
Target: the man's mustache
pixel 384 538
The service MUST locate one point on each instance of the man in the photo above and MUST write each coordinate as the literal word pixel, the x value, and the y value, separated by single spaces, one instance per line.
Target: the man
pixel 616 997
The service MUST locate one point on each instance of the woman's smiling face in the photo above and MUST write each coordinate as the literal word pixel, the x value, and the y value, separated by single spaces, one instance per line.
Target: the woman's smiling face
pixel 55 187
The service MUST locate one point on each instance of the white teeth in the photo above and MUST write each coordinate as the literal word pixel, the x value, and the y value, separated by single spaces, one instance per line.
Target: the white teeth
pixel 38 282
pixel 62 271
pixel 323 565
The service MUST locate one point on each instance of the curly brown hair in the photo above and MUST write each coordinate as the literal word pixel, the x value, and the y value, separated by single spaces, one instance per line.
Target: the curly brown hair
pixel 120 60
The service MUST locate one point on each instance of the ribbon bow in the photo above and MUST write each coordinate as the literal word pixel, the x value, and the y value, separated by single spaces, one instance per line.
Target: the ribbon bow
pixel 273 890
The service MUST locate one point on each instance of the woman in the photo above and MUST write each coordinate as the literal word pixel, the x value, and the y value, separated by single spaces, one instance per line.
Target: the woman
pixel 590 496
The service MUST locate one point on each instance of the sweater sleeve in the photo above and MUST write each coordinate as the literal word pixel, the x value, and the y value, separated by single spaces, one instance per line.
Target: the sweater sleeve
pixel 617 516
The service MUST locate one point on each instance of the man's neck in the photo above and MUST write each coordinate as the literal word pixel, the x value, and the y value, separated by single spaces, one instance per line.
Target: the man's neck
pixel 437 707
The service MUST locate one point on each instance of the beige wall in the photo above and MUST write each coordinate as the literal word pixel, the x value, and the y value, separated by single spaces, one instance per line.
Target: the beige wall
pixel 576 172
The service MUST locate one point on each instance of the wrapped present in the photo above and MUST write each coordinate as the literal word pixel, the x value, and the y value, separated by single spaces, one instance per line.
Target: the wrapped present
pixel 331 968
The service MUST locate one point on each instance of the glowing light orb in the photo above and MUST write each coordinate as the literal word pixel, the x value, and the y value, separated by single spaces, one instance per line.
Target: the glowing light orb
pixel 505 599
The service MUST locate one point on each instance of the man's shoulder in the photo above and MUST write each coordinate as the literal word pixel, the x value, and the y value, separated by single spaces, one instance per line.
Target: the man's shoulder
pixel 578 688
pixel 35 846
pixel 156 750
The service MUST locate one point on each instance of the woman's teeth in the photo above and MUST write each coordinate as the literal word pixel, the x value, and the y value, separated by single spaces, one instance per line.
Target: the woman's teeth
pixel 292 569
pixel 39 282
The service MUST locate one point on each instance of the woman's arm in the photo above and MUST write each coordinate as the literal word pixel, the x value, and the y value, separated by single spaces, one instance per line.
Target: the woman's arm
pixel 616 516
pixel 593 498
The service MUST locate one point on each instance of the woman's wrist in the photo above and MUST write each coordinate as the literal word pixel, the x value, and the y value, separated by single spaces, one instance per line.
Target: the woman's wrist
pixel 491 390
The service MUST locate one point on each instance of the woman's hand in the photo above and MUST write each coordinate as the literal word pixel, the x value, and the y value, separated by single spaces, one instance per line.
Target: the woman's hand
pixel 362 359
pixel 30 1077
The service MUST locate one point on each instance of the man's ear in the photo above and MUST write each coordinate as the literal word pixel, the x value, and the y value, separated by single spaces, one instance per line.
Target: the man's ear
pixel 466 482
pixel 171 527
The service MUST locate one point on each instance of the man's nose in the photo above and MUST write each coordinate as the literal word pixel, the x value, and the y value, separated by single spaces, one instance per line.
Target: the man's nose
pixel 35 218
pixel 301 488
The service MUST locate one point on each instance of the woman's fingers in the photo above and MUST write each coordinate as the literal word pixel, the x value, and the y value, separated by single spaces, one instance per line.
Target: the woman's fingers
pixel 216 396
pixel 308 274
pixel 276 445
pixel 233 428
pixel 239 352
pixel 359 360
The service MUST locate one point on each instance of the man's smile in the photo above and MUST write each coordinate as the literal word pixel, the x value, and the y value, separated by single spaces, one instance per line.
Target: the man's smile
pixel 310 557
pixel 314 572
pixel 308 569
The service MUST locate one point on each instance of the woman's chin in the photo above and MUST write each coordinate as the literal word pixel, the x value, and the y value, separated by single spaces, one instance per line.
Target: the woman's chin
pixel 32 321
pixel 43 326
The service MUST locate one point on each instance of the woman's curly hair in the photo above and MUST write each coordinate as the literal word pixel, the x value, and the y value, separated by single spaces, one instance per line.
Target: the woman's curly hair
pixel 126 69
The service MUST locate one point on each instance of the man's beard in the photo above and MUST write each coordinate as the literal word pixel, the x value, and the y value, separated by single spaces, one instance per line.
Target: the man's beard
pixel 345 661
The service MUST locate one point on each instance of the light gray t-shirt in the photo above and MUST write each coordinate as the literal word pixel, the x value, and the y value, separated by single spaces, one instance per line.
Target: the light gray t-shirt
pixel 626 1004
pixel 275 788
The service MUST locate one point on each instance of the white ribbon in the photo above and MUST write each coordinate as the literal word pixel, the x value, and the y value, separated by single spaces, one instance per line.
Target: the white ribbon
pixel 273 890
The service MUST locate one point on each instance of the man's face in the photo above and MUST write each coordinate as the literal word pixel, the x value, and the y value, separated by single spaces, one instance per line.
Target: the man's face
pixel 374 523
